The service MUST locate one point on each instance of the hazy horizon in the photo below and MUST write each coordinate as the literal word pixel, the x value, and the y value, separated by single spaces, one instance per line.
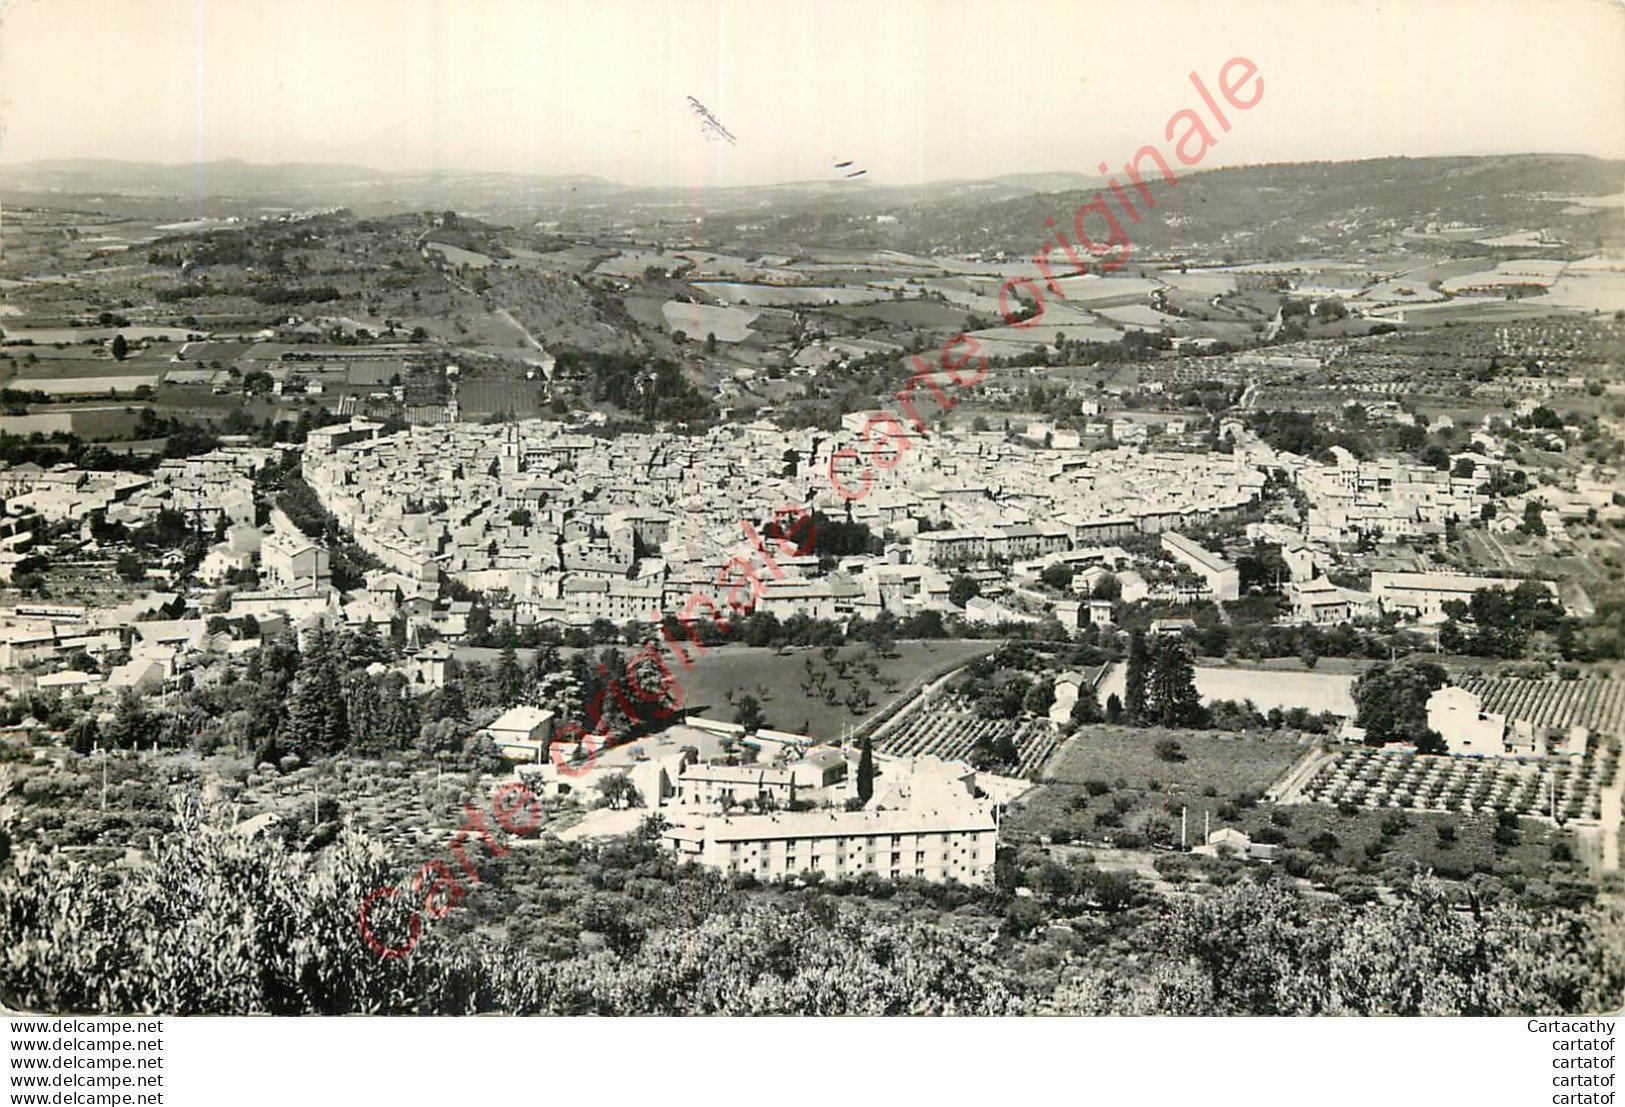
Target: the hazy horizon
pixel 420 171
pixel 914 92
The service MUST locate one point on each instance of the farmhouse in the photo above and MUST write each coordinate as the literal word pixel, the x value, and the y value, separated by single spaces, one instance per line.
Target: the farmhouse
pixel 522 733
pixel 1228 842
pixel 1556 717
pixel 1455 714
pixel 1323 603
pixel 1423 595
pixel 703 785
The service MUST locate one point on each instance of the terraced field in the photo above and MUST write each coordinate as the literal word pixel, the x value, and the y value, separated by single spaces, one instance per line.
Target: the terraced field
pixel 1594 704
pixel 948 729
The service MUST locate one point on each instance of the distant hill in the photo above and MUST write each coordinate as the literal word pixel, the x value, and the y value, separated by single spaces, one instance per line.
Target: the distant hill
pixel 300 184
pixel 1255 211
pixel 1252 211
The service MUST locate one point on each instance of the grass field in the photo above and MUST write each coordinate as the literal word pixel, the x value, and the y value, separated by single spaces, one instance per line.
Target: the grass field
pixel 788 704
pixel 729 324
pixel 1250 761
pixel 1281 686
pixel 1108 785
pixel 909 313
pixel 788 295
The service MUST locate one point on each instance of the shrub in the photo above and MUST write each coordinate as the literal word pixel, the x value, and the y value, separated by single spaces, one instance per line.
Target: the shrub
pixel 1297 863
pixel 1351 888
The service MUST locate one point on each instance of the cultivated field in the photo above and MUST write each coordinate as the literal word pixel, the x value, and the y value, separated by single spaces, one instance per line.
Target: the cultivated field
pixel 1593 704
pixel 945 729
pixel 793 295
pixel 1527 786
pixel 1108 789
pixel 801 690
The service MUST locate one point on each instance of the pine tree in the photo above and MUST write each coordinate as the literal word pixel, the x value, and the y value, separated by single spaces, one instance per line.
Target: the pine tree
pixel 363 709
pixel 82 735
pixel 1134 681
pixel 866 771
pixel 316 705
pixel 403 721
pixel 542 666
pixel 131 723
pixel 1173 699
pixel 368 646
pixel 449 702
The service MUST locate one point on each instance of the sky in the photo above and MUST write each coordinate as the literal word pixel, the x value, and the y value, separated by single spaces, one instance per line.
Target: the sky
pixel 911 90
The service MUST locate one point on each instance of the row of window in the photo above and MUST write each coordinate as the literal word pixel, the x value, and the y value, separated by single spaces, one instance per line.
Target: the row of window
pixel 868 841
pixel 971 856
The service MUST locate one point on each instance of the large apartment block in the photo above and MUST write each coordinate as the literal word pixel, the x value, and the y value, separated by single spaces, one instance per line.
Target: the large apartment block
pixel 891 844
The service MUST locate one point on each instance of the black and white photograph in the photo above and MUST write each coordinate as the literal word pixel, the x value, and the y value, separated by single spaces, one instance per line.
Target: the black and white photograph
pixel 809 509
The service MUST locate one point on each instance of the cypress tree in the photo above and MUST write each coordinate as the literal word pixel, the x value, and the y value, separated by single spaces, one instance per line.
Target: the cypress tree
pixel 1134 681
pixel 510 677
pixel 866 771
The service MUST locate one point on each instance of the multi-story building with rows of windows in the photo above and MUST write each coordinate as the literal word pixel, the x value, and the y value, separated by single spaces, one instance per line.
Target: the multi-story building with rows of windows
pixel 892 844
